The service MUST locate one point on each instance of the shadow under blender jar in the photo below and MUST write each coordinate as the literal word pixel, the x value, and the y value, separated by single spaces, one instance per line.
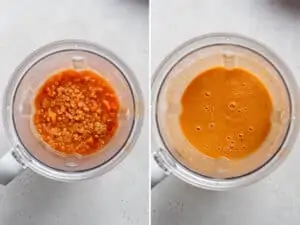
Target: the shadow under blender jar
pixel 174 154
pixel 28 151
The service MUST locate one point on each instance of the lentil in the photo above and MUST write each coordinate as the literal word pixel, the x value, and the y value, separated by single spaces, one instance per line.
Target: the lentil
pixel 76 112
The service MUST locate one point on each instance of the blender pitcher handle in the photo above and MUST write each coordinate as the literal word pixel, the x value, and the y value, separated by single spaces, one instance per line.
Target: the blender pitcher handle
pixel 9 167
pixel 158 173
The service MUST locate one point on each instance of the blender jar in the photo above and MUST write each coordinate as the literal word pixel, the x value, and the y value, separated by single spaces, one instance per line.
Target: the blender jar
pixel 176 155
pixel 28 150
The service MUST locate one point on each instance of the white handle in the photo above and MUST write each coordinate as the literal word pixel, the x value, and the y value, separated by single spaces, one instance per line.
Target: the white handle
pixel 157 173
pixel 9 167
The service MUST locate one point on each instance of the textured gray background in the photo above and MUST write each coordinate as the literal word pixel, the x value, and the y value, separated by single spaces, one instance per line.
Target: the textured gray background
pixel 121 196
pixel 275 200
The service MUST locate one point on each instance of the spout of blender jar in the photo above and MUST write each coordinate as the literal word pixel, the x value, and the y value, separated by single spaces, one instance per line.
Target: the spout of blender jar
pixel 9 167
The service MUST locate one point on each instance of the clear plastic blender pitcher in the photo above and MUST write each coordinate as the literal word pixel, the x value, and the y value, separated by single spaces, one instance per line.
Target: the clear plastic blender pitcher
pixel 174 154
pixel 28 151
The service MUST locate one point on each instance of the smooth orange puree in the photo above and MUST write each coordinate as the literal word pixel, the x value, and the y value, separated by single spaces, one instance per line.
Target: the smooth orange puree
pixel 226 113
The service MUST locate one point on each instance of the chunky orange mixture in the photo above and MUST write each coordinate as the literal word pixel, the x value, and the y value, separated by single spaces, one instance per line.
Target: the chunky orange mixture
pixel 76 112
pixel 226 113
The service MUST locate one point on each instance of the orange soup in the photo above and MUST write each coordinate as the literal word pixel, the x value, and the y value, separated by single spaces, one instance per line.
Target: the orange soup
pixel 76 112
pixel 226 113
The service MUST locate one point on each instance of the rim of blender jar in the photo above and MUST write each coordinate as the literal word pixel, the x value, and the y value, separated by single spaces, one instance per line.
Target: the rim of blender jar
pixel 24 156
pixel 169 161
